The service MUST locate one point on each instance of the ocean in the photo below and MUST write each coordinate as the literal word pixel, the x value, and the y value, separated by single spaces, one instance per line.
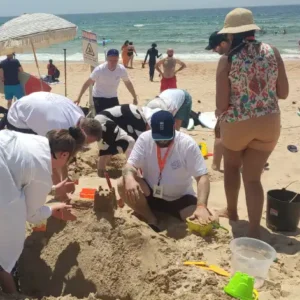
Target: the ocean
pixel 186 31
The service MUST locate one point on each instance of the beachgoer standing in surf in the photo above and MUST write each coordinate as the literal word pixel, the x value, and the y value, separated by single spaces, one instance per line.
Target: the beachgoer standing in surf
pixel 130 52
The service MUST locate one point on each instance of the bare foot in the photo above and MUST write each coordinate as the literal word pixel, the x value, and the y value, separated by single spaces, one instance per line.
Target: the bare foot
pixel 216 168
pixel 254 233
pixel 224 213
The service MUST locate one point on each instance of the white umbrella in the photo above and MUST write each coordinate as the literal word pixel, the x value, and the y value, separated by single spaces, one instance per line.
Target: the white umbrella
pixel 31 31
pixel 41 30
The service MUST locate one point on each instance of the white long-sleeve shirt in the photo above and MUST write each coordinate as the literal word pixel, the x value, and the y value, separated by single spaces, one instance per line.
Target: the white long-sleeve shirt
pixel 25 181
pixel 43 111
pixel 170 100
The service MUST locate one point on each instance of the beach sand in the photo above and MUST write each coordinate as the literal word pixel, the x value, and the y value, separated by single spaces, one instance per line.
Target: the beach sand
pixel 126 259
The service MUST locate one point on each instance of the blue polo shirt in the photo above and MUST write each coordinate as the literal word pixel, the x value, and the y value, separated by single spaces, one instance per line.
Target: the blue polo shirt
pixel 11 71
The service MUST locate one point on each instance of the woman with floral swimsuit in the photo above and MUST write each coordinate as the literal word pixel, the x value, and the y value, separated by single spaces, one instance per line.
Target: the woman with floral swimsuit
pixel 250 80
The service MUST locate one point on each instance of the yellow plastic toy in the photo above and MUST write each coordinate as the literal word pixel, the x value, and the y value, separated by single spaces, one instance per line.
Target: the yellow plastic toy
pixel 203 230
pixel 205 266
pixel 203 148
pixel 216 269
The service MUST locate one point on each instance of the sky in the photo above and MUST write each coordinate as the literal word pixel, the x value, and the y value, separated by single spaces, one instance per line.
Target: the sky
pixel 17 7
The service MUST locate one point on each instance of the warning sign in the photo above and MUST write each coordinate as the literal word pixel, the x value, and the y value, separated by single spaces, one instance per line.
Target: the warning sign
pixel 90 48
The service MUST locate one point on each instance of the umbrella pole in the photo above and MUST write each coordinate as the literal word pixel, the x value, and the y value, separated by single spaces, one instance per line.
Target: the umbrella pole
pixel 37 64
pixel 65 64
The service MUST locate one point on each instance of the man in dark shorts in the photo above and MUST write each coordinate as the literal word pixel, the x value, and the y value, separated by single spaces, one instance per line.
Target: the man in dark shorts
pixel 106 79
pixel 169 160
pixel 121 126
pixel 153 54
pixel 10 68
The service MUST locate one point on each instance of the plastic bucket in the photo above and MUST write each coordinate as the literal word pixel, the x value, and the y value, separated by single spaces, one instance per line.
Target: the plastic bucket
pixel 282 215
pixel 252 257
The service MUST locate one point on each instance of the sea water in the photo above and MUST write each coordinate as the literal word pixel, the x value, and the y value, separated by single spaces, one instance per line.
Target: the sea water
pixel 187 31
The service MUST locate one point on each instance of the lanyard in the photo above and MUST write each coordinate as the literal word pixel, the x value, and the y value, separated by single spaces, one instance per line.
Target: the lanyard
pixel 162 161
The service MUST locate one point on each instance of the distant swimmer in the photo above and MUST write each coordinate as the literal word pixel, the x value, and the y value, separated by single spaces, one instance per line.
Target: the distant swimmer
pixel 169 63
pixel 263 31
pixel 153 54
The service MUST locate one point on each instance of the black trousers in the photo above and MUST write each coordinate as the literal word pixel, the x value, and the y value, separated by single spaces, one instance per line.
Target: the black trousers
pixel 4 123
pixel 15 275
pixel 102 103
pixel 151 70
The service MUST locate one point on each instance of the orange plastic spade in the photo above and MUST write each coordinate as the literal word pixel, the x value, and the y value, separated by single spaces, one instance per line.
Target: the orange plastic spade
pixel 87 193
pixel 87 196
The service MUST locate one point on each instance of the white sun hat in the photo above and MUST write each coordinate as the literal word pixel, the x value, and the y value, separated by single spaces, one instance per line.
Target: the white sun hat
pixel 239 20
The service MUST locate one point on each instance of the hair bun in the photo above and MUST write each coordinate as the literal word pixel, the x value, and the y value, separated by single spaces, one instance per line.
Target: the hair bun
pixel 75 133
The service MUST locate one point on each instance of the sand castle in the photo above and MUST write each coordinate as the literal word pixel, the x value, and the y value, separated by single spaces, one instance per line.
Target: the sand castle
pixel 105 200
pixel 109 254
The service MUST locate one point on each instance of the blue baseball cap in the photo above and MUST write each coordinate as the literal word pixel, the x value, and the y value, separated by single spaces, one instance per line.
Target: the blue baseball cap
pixel 113 52
pixel 163 126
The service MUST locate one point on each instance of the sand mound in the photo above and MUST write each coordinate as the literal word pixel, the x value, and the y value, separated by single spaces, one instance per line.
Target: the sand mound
pixel 87 164
pixel 118 257
pixel 113 255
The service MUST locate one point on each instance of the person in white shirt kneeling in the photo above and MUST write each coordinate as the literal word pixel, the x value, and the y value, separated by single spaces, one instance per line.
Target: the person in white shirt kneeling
pixel 26 163
pixel 178 102
pixel 168 160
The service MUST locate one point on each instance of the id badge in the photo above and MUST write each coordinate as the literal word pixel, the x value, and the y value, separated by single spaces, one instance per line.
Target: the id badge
pixel 158 191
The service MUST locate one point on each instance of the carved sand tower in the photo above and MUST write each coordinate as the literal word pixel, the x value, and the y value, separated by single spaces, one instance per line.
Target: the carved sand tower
pixel 105 200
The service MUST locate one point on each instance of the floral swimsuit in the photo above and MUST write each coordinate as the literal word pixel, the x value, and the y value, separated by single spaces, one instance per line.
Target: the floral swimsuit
pixel 253 78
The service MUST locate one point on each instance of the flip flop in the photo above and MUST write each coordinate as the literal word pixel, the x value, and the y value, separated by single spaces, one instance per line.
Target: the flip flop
pixel 292 148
